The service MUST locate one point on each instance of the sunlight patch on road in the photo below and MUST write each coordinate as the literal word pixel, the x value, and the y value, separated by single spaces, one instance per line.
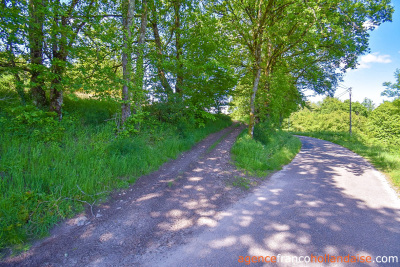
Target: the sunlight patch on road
pixel 245 221
pixel 106 237
pixel 195 179
pixel 205 221
pixel 225 242
pixel 148 196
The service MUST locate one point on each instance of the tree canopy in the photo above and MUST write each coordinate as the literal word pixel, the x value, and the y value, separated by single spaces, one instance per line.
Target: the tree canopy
pixel 198 55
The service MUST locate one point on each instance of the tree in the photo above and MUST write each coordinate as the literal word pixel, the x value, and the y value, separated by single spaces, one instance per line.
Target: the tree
pixel 326 35
pixel 392 89
pixel 368 104
pixel 37 10
pixel 128 9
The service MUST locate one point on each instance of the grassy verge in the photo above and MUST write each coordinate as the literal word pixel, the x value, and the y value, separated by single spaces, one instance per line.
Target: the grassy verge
pixel 42 182
pixel 384 158
pixel 267 152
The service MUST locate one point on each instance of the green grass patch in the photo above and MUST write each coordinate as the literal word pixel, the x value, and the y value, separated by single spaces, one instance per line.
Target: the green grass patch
pixel 384 158
pixel 267 152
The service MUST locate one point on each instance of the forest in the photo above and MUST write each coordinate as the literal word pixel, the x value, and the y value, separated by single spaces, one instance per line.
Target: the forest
pixel 94 94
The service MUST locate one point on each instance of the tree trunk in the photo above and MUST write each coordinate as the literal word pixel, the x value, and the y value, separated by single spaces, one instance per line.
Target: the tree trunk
pixel 178 45
pixel 160 69
pixel 59 47
pixel 139 94
pixel 253 100
pixel 56 94
pixel 58 68
pixel 128 8
pixel 36 37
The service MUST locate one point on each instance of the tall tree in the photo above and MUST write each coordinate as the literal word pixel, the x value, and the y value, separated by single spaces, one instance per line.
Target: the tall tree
pixel 160 55
pixel 139 75
pixel 37 11
pixel 272 31
pixel 178 46
pixel 128 9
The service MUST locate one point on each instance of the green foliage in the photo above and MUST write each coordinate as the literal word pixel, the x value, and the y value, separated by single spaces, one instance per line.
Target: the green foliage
pixel 43 182
pixel 268 151
pixel 31 122
pixel 381 124
pixel 384 123
pixel 330 115
pixel 91 111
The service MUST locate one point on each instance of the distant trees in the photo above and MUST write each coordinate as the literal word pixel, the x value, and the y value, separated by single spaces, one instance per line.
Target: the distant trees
pixel 332 115
pixel 368 104
pixel 392 89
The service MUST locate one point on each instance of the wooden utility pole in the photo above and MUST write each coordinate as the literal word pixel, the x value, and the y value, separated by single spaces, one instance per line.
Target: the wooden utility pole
pixel 350 109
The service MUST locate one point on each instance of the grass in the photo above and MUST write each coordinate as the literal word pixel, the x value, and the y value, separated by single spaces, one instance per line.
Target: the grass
pixel 267 152
pixel 242 182
pixel 42 182
pixel 382 157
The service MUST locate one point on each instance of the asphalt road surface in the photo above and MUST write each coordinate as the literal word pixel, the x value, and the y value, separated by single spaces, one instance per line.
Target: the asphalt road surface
pixel 328 201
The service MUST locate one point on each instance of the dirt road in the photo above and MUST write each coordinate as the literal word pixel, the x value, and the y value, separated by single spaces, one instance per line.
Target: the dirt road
pixel 327 201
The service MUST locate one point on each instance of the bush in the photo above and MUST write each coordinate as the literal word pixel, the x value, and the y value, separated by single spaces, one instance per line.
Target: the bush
pixel 384 123
pixel 29 121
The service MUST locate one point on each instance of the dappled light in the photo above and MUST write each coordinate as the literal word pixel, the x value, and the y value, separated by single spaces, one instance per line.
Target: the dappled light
pixel 319 213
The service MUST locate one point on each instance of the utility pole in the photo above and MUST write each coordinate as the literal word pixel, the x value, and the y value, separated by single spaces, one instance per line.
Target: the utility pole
pixel 350 109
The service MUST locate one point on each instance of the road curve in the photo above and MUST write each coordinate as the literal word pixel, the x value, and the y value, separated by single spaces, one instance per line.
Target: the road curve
pixel 328 200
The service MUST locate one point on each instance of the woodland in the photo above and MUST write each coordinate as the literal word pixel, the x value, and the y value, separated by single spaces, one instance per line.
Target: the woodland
pixel 96 93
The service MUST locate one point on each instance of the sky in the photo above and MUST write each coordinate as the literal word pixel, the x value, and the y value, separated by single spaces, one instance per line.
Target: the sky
pixel 376 67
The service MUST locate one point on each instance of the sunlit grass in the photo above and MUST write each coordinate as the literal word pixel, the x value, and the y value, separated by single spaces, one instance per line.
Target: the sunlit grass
pixel 269 152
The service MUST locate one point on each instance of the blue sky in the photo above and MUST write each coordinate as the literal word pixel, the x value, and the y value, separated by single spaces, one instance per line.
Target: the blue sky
pixel 376 67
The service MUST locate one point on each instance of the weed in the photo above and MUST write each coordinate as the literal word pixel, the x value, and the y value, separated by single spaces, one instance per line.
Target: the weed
pixel 241 182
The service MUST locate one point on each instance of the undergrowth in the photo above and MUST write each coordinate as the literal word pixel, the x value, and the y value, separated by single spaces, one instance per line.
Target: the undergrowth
pixel 50 169
pixel 267 152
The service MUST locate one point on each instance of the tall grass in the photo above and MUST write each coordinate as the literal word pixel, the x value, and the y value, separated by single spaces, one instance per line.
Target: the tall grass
pixel 267 152
pixel 383 157
pixel 43 182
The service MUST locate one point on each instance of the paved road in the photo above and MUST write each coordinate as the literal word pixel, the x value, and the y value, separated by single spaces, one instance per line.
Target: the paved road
pixel 327 201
